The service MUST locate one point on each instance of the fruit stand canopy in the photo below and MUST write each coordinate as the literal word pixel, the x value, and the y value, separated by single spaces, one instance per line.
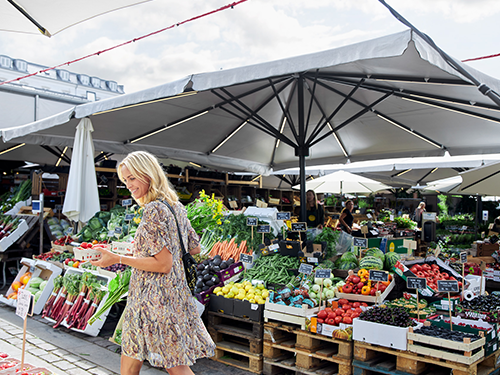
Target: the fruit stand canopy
pixel 390 97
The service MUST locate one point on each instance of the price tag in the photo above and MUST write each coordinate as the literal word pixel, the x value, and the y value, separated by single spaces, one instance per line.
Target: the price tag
pixel 299 227
pixel 364 229
pixel 323 273
pixel 261 204
pixel 463 257
pixel 305 268
pixel 490 227
pixel 59 207
pixel 233 204
pixel 126 202
pixel 257 282
pixel 465 227
pixel 447 286
pixel 32 269
pixel 263 228
pixel 429 216
pixel 104 207
pixel 312 260
pixel 274 247
pixel 374 232
pixel 69 230
pixel 61 193
pixel 252 221
pixel 283 215
pixel 118 230
pixel 246 258
pixel 111 233
pixel 360 242
pixel 129 217
pixel 416 283
pixel 254 306
pixel 391 217
pixel 24 303
pixel 369 216
pixel 376 275
pixel 485 215
pixel 335 216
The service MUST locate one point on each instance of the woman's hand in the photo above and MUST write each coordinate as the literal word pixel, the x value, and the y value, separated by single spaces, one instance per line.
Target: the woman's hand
pixel 107 258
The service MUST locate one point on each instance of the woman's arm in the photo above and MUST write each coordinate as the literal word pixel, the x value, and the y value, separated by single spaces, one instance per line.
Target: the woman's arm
pixel 321 216
pixel 161 262
pixel 196 250
pixel 341 219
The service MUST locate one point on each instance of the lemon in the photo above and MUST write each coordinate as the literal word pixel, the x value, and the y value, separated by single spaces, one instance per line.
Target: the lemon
pixel 248 287
pixel 260 286
pixel 226 289
pixel 220 294
pixel 259 300
pixel 230 295
pixel 265 294
pixel 242 291
pixel 258 291
pixel 230 283
pixel 251 300
pixel 250 295
pixel 235 290
pixel 217 290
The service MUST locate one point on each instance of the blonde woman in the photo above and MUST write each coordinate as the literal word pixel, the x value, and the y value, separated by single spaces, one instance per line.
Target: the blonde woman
pixel 161 323
pixel 419 211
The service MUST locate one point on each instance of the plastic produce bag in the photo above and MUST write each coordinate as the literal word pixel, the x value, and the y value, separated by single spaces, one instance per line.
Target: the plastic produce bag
pixel 344 243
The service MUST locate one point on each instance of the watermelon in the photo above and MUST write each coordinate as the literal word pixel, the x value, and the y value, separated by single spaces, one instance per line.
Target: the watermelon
pixel 348 257
pixel 390 260
pixel 348 266
pixel 371 263
pixel 375 252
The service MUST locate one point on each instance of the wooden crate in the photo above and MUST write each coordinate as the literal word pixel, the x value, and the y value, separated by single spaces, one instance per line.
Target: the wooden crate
pixel 235 325
pixel 290 315
pixel 445 349
pixel 287 366
pixel 238 356
pixel 224 340
pixel 412 363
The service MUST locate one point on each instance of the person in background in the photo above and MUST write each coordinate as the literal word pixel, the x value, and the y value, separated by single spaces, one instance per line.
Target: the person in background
pixel 161 322
pixel 419 213
pixel 496 225
pixel 315 214
pixel 346 219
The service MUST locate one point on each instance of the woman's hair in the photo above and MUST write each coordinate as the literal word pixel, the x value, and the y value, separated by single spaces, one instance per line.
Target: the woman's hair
pixel 421 205
pixel 497 221
pixel 348 201
pixel 146 168
pixel 315 203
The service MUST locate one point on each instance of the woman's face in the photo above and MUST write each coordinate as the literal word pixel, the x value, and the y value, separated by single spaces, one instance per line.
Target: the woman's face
pixel 350 206
pixel 138 188
pixel 310 196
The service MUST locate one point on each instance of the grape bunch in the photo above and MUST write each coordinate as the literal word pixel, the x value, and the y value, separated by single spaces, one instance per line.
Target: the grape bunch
pixel 393 316
pixel 489 302
pixel 116 267
pixel 446 334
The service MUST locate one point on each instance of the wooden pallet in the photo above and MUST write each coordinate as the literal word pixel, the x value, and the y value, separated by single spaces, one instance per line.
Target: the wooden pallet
pixel 223 339
pixel 287 366
pixel 415 364
pixel 238 356
pixel 234 325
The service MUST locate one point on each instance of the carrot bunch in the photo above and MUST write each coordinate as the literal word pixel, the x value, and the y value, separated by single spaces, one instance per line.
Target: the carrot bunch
pixel 229 250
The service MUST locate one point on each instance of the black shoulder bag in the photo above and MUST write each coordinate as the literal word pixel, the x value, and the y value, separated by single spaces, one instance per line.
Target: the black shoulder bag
pixel 187 259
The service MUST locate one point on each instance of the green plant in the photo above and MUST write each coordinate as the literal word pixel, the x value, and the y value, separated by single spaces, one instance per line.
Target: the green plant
pixel 403 222
pixel 442 204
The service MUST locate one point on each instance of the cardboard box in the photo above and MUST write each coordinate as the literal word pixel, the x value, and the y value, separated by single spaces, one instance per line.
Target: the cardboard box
pixel 233 270
pixel 380 334
pixel 47 271
pixel 486 249
pixel 221 305
pixel 27 265
pixel 369 299
pixel 6 242
pixel 245 309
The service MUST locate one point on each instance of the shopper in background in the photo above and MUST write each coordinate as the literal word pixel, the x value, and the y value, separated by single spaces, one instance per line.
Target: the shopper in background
pixel 315 214
pixel 496 225
pixel 346 219
pixel 419 211
pixel 161 322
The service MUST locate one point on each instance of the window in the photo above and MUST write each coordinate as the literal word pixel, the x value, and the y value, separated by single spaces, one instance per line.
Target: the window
pixel 21 65
pixel 5 62
pixel 63 75
pixel 91 96
pixel 84 79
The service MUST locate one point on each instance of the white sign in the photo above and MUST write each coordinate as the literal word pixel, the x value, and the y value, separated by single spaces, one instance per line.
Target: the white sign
pixel 24 298
pixel 429 216
pixel 485 215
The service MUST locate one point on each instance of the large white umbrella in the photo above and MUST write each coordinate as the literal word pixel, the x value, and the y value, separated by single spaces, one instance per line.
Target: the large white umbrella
pixel 342 182
pixel 445 185
pixel 52 16
pixel 482 181
pixel 82 198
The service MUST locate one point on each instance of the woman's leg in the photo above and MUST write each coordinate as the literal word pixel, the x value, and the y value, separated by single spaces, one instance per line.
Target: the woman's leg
pixel 130 366
pixel 180 370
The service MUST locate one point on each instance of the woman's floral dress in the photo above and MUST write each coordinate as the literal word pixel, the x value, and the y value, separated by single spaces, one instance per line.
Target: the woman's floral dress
pixel 161 322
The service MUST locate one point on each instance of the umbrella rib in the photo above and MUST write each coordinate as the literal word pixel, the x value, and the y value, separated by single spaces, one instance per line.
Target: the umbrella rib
pixel 42 29
pixel 282 126
pixel 354 117
pixel 480 180
pixel 311 102
pixel 285 109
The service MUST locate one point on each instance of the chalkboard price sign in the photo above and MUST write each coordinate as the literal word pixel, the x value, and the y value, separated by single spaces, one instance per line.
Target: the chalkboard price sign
pixel 378 275
pixel 127 202
pixel 252 221
pixel 323 273
pixel 263 228
pixel 463 257
pixel 118 230
pixel 416 283
pixel 305 268
pixel 360 242
pixel 447 286
pixel 299 227
pixel 129 217
pixel 283 215
pixel 61 193
pixel 246 258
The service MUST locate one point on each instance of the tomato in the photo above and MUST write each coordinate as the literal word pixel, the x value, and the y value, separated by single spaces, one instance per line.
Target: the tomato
pixel 343 301
pixel 328 310
pixel 338 320
pixel 356 304
pixel 364 304
pixel 331 315
pixel 321 321
pixel 84 245
pixel 322 314
pixel 426 267
pixel 419 267
pixel 346 307
pixel 358 310
pixel 347 320
pixel 330 321
pixel 347 288
pixel 339 312
pixel 414 269
pixel 354 315
pixel 435 267
pixel 445 275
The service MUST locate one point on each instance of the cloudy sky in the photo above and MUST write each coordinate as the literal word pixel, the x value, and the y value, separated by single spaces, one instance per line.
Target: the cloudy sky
pixel 254 31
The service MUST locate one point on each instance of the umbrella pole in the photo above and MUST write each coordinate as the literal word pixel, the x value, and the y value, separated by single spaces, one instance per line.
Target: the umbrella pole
pixel 303 196
pixel 302 150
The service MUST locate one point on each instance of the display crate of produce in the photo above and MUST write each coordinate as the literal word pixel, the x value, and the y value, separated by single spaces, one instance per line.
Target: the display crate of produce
pixel 380 334
pixel 86 255
pixel 460 352
pixel 251 311
pixel 221 304
pixel 28 265
pixel 59 248
pixel 486 249
pixel 295 315
pixel 377 299
pixel 204 297
pixel 487 316
pixel 49 272
pixel 6 242
pixel 444 305
pixel 231 271
pixel 124 248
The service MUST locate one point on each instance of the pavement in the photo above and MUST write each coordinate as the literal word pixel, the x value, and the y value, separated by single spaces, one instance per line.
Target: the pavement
pixel 64 351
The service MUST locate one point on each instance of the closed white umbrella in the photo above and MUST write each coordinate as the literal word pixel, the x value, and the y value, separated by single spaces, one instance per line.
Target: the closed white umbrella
pixel 342 182
pixel 82 198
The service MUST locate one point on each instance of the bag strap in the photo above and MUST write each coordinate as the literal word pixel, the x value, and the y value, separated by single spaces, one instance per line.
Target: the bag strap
pixel 178 227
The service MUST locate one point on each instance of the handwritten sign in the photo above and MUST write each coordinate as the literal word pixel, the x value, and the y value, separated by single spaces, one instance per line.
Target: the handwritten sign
pixel 323 273
pixel 360 242
pixel 118 230
pixel 126 202
pixel 263 228
pixel 24 303
pixel 246 258
pixel 305 268
pixel 335 216
pixel 447 286
pixel 61 193
pixel 416 283
pixel 283 215
pixel 104 207
pixel 59 207
pixel 299 227
pixel 364 229
pixel 463 257
pixel 252 221
pixel 376 275
pixel 233 204
pixel 129 217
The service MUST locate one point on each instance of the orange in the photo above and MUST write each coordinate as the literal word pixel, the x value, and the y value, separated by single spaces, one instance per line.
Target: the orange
pixel 76 264
pixel 25 278
pixel 15 285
